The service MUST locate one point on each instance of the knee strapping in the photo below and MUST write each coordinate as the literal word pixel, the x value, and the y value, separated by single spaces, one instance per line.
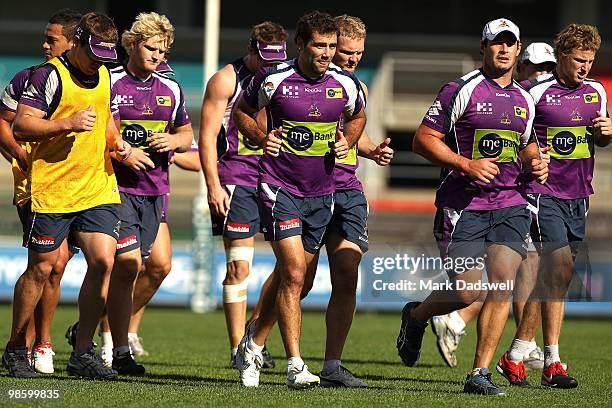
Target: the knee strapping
pixel 240 254
pixel 235 293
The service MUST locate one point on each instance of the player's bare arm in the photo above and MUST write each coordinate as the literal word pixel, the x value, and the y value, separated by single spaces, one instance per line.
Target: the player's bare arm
pixel 187 161
pixel 430 144
pixel 30 125
pixel 219 90
pixel 9 147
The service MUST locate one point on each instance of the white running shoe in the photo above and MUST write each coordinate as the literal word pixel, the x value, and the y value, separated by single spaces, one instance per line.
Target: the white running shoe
pixel 248 363
pixel 43 358
pixel 135 344
pixel 300 379
pixel 448 339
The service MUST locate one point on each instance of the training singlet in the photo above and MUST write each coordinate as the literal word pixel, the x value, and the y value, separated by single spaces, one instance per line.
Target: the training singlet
pixel 73 172
pixel 308 111
pixel 10 98
pixel 238 163
pixel 564 122
pixel 481 119
pixel 345 171
pixel 155 105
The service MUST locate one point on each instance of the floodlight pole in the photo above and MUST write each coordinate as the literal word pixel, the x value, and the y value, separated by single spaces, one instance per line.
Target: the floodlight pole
pixel 203 299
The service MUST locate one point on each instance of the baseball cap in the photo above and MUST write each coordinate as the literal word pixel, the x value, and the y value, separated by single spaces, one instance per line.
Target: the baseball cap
pixel 493 28
pixel 538 53
pixel 270 52
pixel 97 48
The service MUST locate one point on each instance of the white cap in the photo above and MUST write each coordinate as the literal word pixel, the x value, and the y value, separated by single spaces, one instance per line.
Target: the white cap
pixel 493 28
pixel 538 53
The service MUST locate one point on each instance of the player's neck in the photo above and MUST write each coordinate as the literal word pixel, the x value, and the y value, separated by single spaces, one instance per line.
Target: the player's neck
pixel 501 78
pixel 137 72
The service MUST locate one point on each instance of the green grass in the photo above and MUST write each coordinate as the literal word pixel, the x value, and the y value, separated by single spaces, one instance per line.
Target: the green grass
pixel 189 356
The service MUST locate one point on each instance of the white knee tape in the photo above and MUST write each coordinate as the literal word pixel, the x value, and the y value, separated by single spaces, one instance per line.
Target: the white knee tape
pixel 240 254
pixel 235 293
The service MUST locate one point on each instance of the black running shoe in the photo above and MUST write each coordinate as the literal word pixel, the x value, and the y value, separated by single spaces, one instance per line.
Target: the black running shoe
pixel 410 336
pixel 555 376
pixel 71 334
pixel 89 365
pixel 482 384
pixel 268 360
pixel 18 363
pixel 125 365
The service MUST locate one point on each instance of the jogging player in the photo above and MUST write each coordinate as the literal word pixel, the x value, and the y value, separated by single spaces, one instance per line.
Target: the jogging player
pixel 304 99
pixel 231 179
pixel 58 38
pixel 66 111
pixel 571 118
pixel 478 129
pixel 537 59
pixel 149 109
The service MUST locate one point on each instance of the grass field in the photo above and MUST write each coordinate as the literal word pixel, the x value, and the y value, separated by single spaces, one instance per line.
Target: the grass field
pixel 189 356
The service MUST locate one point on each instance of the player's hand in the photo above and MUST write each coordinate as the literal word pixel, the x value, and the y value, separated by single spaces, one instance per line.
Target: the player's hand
pixel 483 170
pixel 83 120
pixel 539 170
pixel 341 146
pixel 272 142
pixel 544 154
pixel 162 142
pixel 218 201
pixel 603 124
pixel 383 153
pixel 138 160
pixel 21 157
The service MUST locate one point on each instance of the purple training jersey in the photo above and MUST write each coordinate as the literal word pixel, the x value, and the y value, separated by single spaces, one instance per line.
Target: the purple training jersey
pixel 308 110
pixel 564 122
pixel 481 119
pixel 155 105
pixel 239 157
pixel 14 89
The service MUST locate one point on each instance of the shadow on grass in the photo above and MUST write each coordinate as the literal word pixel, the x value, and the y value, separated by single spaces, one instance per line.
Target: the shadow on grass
pixel 378 362
pixel 410 379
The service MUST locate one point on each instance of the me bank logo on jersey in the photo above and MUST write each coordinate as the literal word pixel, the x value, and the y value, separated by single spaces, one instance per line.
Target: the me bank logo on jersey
pixel 163 100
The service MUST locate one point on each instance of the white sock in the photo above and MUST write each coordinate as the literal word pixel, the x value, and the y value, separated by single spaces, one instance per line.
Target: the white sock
pixel 118 351
pixel 551 354
pixel 518 350
pixel 329 366
pixel 295 362
pixel 476 371
pixel 455 322
pixel 255 347
pixel 532 346
pixel 106 340
pixel 233 351
pixel 132 335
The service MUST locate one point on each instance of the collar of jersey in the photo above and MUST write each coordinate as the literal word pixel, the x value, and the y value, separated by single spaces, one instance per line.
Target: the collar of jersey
pixel 562 85
pixel 135 78
pixel 80 76
pixel 495 84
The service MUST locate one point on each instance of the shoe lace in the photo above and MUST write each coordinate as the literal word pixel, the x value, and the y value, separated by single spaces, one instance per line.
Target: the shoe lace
pixel 557 369
pixel 456 337
pixel 488 380
pixel 22 362
pixel 346 371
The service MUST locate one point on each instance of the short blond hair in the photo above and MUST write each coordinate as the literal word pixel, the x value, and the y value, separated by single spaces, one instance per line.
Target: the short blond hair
pixel 351 27
pixel 577 36
pixel 148 25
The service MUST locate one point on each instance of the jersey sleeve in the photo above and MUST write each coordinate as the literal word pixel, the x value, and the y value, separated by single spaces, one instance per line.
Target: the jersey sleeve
pixel 13 90
pixel 42 90
pixel 356 100
pixel 529 135
pixel 257 94
pixel 444 111
pixel 181 117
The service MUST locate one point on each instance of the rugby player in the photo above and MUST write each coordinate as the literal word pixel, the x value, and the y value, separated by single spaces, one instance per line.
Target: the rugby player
pixel 149 109
pixel 478 129
pixel 347 237
pixel 571 118
pixel 304 99
pixel 58 38
pixel 231 179
pixel 66 110
pixel 537 59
